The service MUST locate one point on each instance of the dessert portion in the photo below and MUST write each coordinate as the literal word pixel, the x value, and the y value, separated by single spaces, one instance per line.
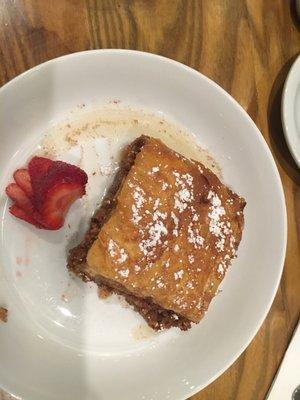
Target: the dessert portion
pixel 164 236
pixel 43 192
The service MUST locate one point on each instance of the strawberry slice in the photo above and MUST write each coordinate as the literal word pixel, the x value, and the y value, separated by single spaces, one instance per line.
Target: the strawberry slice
pixel 38 168
pixel 58 172
pixel 22 178
pixel 20 213
pixel 43 194
pixel 57 203
pixel 19 197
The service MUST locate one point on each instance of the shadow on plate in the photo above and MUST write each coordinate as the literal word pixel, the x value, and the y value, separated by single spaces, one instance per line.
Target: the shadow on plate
pixel 37 365
pixel 278 141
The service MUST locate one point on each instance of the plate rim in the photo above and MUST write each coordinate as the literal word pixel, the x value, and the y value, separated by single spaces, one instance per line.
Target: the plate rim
pixel 288 100
pixel 262 142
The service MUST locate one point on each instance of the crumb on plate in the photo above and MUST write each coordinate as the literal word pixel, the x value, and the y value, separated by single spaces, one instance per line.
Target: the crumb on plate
pixel 3 314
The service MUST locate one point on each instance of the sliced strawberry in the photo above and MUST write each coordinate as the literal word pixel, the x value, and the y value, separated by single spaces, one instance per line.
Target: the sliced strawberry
pixel 20 213
pixel 44 193
pixel 58 172
pixel 57 203
pixel 38 168
pixel 22 178
pixel 19 197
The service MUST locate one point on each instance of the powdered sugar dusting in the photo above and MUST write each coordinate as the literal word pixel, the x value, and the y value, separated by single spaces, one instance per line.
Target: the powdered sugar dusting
pixel 139 200
pixel 217 227
pixel 124 273
pixel 153 170
pixel 115 251
pixel 221 269
pixel 191 259
pixel 155 230
pixel 216 211
pixel 194 237
pixel 189 285
pixel 184 196
pixel 123 256
pixel 160 284
pixel 112 248
pixel 195 218
pixel 176 222
pixel 178 274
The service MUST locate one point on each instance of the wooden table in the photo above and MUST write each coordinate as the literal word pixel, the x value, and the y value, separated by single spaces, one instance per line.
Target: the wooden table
pixel 247 47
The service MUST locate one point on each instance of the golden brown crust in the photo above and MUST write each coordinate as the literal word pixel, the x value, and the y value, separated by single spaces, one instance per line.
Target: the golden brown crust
pixel 172 234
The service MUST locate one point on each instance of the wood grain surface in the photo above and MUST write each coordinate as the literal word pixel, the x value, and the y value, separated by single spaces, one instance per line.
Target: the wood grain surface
pixel 247 47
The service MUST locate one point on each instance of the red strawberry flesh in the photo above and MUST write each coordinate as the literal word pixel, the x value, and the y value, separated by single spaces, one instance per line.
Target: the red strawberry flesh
pixel 58 172
pixel 18 195
pixel 57 203
pixel 22 178
pixel 20 213
pixel 38 168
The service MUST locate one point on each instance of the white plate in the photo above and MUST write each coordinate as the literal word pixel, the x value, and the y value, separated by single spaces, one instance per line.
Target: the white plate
pixel 46 356
pixel 291 110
